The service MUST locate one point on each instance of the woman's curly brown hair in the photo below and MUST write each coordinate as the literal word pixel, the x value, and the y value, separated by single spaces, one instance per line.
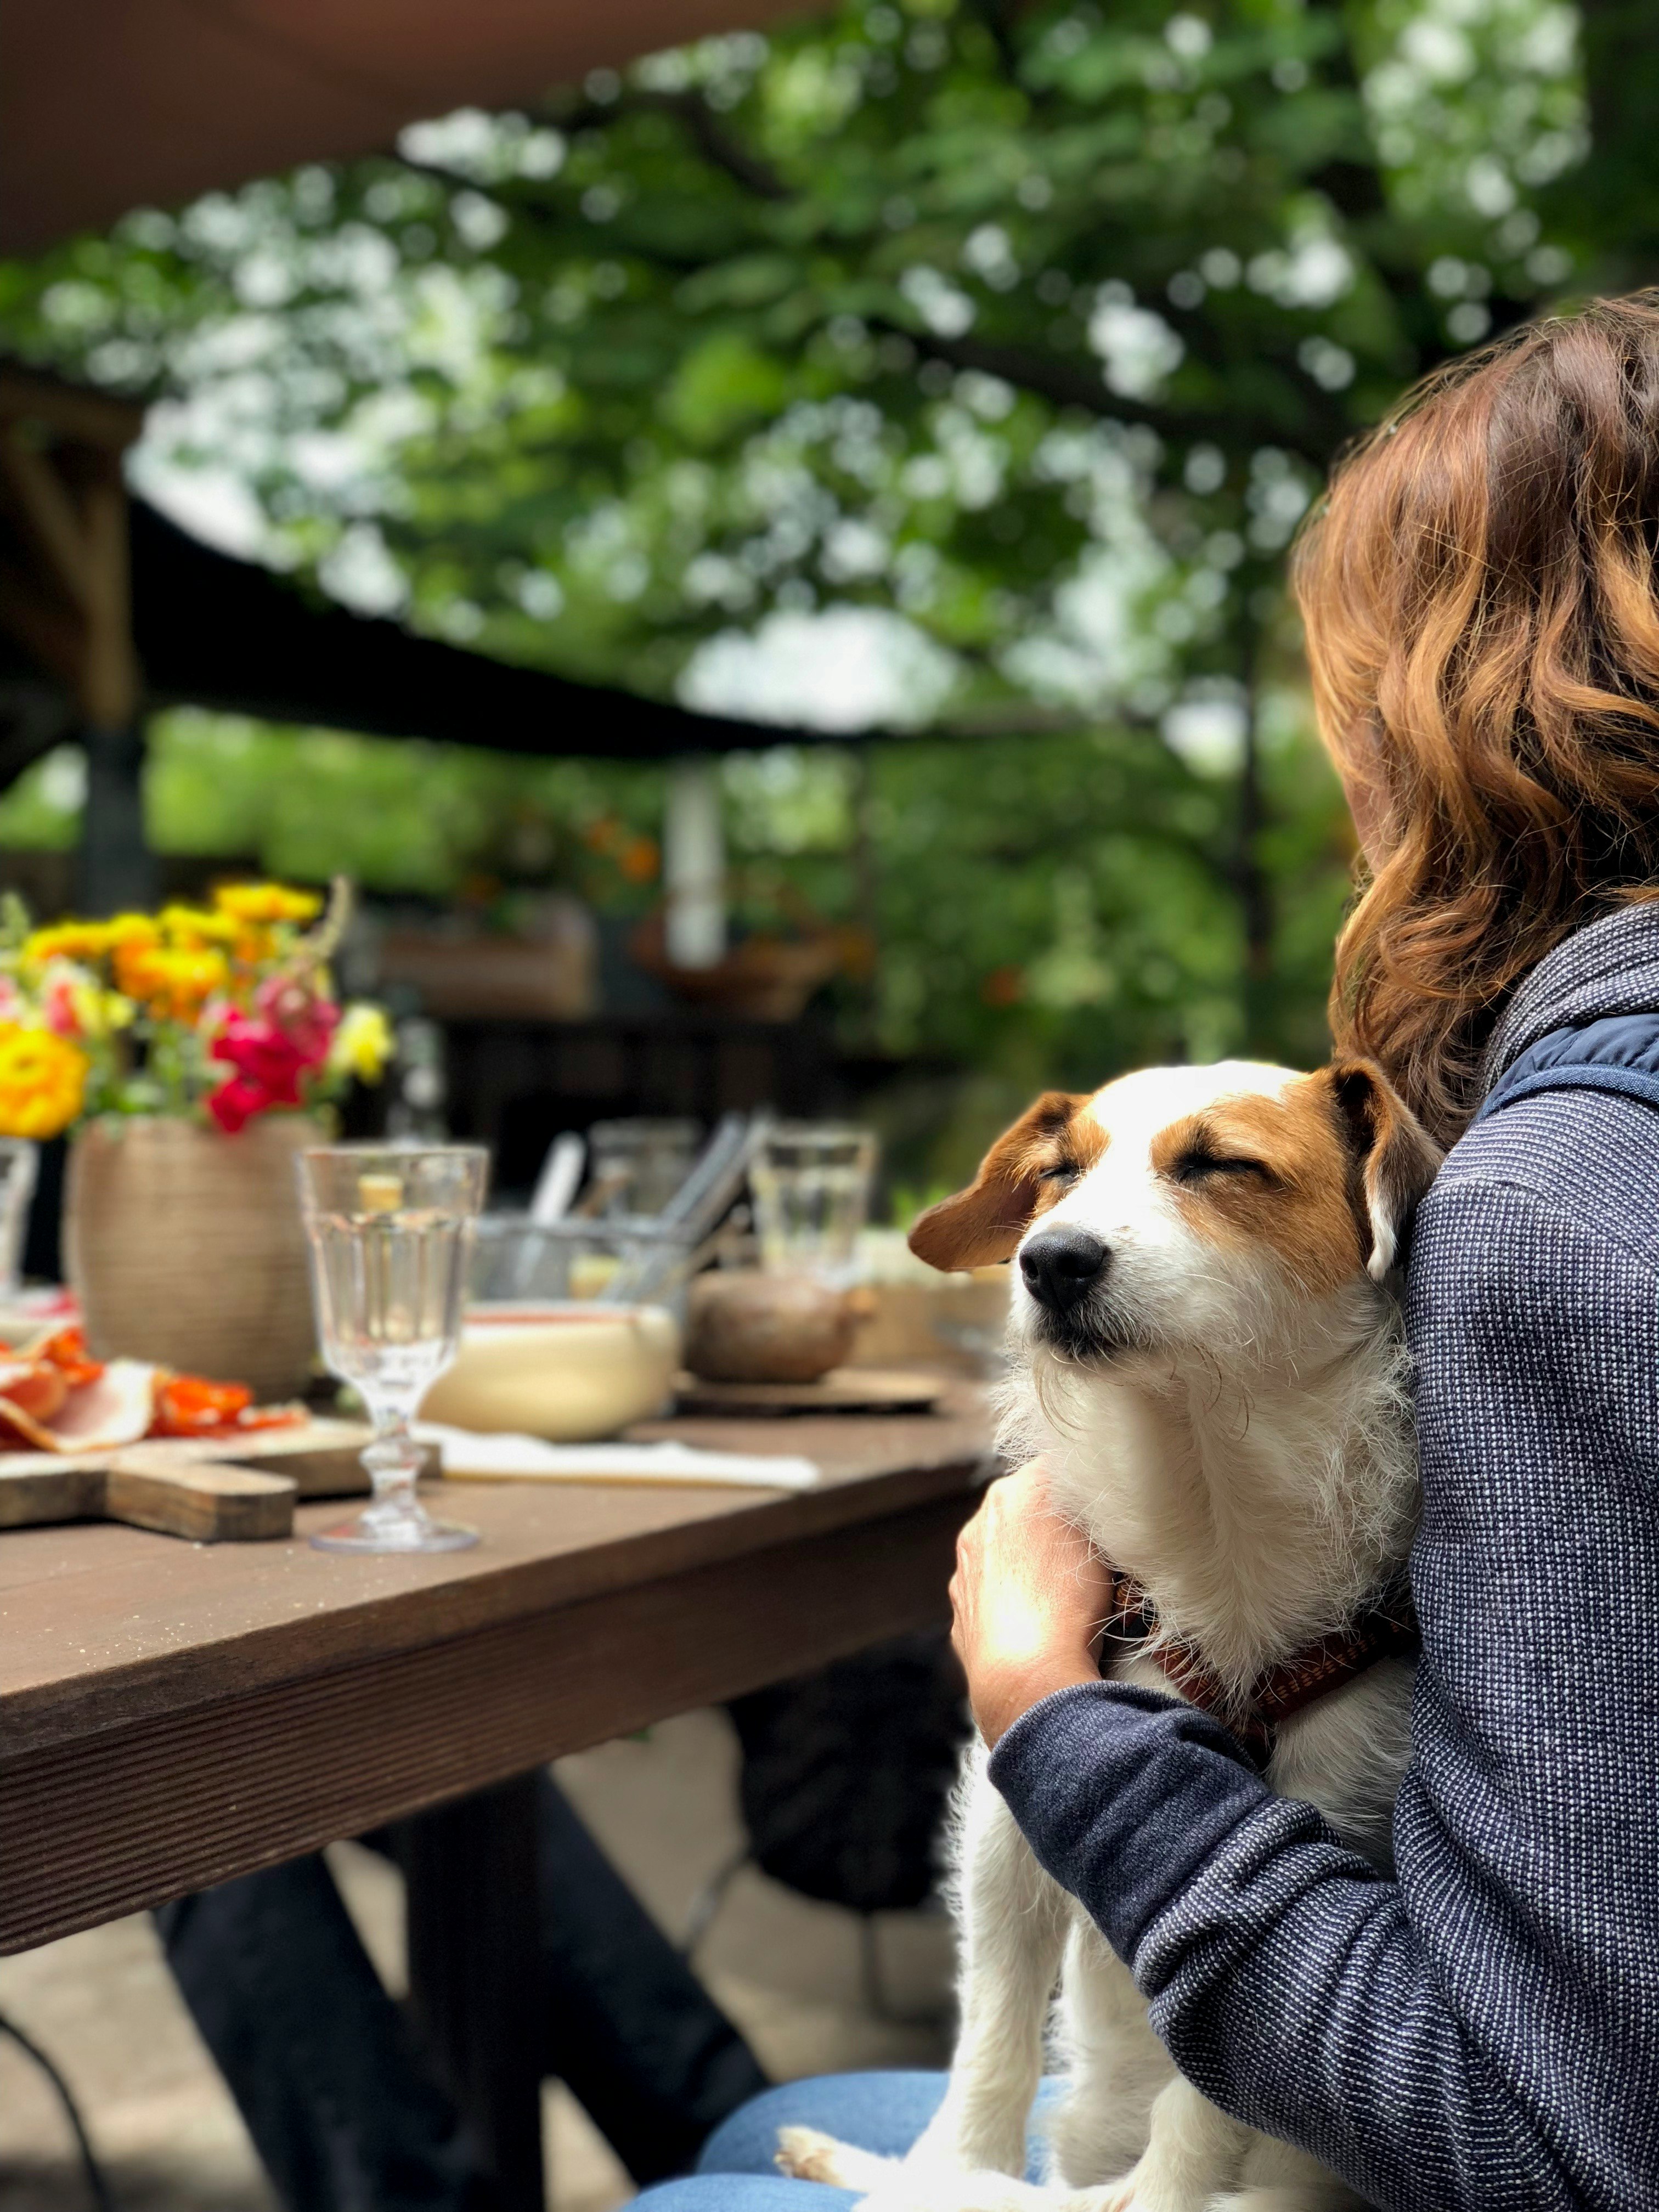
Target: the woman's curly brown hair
pixel 1482 613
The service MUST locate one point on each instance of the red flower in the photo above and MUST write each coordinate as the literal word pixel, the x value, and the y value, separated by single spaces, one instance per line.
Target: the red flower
pixel 270 1051
pixel 308 1021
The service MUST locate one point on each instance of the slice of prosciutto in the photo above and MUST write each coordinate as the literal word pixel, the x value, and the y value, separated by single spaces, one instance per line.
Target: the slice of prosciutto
pixel 115 1408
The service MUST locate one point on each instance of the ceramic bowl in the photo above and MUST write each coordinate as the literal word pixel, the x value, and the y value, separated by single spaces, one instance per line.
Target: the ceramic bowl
pixel 747 1326
pixel 569 1373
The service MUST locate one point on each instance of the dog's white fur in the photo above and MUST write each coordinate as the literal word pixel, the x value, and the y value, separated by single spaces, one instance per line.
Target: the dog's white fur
pixel 1243 1448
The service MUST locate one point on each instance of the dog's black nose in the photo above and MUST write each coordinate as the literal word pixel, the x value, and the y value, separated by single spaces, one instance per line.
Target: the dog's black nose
pixel 1061 1265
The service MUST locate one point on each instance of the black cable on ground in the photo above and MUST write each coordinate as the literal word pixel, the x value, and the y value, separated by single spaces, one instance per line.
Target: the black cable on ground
pixel 97 2186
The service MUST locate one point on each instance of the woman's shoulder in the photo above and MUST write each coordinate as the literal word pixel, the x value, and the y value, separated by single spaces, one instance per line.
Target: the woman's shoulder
pixel 1549 1176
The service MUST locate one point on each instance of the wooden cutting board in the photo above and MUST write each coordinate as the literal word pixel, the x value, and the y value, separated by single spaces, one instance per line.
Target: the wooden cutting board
pixel 842 1390
pixel 234 1490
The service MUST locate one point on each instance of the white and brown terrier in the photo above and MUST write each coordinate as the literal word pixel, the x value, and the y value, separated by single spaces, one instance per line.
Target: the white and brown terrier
pixel 1208 1355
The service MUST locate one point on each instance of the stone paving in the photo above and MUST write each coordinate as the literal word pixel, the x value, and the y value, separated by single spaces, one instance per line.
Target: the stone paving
pixel 786 1970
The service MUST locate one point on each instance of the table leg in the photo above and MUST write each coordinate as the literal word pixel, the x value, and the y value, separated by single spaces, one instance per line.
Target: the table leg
pixel 474 1972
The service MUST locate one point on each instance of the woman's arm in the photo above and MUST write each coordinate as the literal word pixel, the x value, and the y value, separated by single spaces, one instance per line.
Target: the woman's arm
pixel 1484 2032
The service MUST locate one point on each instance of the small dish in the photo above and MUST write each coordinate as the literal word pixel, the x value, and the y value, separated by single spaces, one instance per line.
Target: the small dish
pixel 570 1373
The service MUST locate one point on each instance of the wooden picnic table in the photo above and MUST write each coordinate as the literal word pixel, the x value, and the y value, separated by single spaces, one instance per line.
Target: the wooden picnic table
pixel 173 1715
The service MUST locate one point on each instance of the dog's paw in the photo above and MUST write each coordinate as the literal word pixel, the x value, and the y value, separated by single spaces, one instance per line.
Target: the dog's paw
pixel 809 2155
pixel 1119 2196
pixel 1138 2191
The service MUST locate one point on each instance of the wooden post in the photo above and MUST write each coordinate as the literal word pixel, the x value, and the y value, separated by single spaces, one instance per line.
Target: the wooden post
pixel 115 870
pixel 65 594
pixel 475 1961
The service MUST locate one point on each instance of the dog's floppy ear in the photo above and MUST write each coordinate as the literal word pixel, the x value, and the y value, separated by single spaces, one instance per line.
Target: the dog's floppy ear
pixel 1394 1159
pixel 984 1223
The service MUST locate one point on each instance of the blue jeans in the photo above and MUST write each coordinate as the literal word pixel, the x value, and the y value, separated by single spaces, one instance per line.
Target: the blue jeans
pixel 883 2112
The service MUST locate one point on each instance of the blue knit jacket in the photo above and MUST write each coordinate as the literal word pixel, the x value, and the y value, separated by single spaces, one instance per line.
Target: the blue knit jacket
pixel 1482 2030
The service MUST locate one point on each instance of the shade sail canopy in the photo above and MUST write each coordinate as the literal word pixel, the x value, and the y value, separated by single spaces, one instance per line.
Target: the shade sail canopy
pixel 211 631
pixel 100 595
pixel 215 632
pixel 108 105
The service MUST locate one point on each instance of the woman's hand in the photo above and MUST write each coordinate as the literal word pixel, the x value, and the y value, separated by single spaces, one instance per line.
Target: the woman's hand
pixel 1030 1600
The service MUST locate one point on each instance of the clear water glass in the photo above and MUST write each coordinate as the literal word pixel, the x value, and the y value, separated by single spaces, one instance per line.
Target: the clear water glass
pixel 811 1184
pixel 635 1166
pixel 391 1229
pixel 19 1165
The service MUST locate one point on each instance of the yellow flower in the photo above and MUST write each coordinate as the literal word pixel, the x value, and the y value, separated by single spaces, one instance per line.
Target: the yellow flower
pixel 267 902
pixel 97 1012
pixel 66 940
pixel 171 981
pixel 128 929
pixel 362 1044
pixel 43 1082
pixel 195 928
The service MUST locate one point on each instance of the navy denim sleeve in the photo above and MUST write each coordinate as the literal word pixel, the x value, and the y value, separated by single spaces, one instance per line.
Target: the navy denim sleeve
pixel 1483 2032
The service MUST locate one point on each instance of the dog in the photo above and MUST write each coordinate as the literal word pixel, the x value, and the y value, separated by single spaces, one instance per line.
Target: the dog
pixel 1206 1351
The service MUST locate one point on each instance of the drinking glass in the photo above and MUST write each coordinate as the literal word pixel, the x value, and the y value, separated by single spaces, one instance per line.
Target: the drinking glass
pixel 811 1184
pixel 391 1231
pixel 19 1164
pixel 636 1165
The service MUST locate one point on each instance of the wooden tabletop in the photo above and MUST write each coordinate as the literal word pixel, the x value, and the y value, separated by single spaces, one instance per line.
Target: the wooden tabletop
pixel 174 1714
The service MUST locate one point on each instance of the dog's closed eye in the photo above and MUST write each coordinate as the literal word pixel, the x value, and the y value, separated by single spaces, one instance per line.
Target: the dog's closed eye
pixel 1060 1171
pixel 1200 1164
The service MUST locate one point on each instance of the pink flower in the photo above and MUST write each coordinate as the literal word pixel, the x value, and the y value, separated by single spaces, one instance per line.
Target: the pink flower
pixel 58 1005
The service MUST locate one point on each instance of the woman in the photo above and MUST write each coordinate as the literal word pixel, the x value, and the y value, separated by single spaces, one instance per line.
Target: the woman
pixel 1480 596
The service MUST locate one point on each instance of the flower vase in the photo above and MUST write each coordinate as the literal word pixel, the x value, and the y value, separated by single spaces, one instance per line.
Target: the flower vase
pixel 184 1246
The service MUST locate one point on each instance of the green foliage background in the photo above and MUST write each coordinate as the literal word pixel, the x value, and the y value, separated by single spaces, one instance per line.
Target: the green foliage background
pixel 1028 332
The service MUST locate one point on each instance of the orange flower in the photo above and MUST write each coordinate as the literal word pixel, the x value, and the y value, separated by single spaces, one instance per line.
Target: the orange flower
pixel 173 983
pixel 639 860
pixel 256 944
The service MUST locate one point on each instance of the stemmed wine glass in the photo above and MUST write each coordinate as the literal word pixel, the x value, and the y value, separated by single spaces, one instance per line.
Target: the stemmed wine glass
pixel 391 1231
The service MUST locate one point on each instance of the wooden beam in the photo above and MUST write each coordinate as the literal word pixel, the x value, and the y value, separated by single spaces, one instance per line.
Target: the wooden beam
pixel 110 683
pixel 96 418
pixel 41 500
pixel 71 603
pixel 40 623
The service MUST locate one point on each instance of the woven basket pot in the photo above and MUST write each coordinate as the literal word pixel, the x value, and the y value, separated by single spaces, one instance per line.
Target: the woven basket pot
pixel 184 1246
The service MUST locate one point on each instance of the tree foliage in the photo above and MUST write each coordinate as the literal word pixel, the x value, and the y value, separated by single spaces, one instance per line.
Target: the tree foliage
pixel 998 348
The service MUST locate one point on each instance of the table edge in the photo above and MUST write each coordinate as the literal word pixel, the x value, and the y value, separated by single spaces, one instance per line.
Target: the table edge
pixel 41 1715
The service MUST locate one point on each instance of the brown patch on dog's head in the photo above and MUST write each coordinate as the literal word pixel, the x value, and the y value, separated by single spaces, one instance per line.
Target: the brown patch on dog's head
pixel 1261 1170
pixel 1029 1169
pixel 1326 1175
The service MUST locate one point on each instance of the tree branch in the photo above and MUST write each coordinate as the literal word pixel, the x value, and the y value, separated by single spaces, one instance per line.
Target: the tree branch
pixel 713 140
pixel 717 145
pixel 1047 377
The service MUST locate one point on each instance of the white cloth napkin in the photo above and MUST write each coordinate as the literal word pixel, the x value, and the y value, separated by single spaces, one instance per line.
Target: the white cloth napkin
pixel 468 1457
